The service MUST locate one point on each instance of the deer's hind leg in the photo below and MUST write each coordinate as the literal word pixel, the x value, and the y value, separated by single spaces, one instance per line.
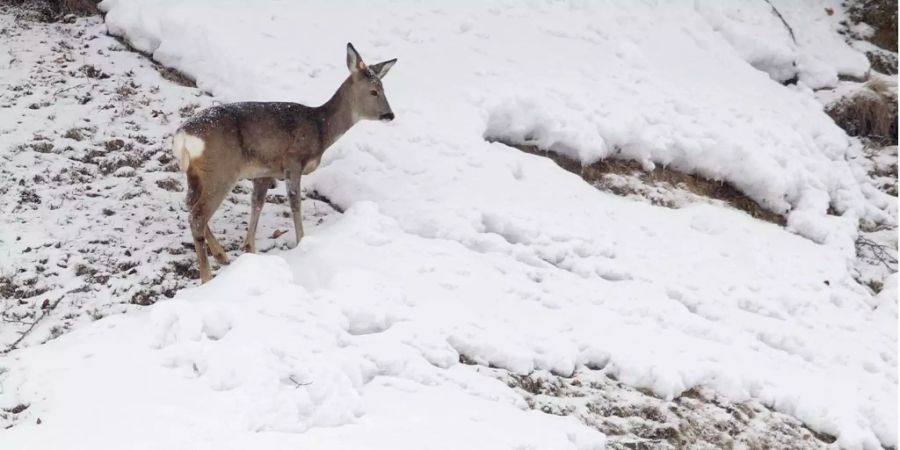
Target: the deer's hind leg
pixel 203 200
pixel 258 199
pixel 215 247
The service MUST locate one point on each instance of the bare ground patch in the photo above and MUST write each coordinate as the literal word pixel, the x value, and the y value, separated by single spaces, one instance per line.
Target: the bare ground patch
pixel 168 73
pixel 633 418
pixel 629 178
pixel 881 16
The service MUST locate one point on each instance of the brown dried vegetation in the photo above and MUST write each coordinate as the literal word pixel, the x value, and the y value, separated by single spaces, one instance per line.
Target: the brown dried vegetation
pixel 871 112
pixel 596 174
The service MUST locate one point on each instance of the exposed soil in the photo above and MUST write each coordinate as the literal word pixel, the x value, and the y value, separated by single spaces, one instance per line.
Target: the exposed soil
pixel 633 418
pixel 881 16
pixel 168 73
pixel 661 186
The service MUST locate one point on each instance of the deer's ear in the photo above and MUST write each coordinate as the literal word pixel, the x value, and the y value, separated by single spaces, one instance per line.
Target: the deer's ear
pixel 381 69
pixel 354 61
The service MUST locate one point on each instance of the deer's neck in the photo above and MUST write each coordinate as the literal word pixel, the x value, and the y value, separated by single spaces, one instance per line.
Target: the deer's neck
pixel 336 116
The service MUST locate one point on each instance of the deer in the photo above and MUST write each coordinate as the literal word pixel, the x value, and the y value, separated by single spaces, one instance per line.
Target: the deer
pixel 264 141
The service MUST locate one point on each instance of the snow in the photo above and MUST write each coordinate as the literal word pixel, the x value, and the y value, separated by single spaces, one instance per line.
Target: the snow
pixel 5 60
pixel 812 50
pixel 647 101
pixel 452 247
pixel 251 360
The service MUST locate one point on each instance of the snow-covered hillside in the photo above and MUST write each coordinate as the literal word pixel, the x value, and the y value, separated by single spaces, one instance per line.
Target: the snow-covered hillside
pixel 445 249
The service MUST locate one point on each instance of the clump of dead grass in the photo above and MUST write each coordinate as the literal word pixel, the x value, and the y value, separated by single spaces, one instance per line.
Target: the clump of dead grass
pixel 598 172
pixel 871 112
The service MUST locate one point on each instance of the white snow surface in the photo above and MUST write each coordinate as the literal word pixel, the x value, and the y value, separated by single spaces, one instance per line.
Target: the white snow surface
pixel 661 82
pixel 451 245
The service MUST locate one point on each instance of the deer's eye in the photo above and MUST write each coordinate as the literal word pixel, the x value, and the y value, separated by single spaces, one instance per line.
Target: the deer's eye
pixel 374 93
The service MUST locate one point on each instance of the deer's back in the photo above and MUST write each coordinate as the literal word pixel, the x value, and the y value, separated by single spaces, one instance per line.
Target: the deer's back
pixel 258 135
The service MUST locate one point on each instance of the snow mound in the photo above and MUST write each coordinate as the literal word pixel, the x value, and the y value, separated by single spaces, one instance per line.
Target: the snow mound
pixel 689 85
pixel 365 318
pixel 250 358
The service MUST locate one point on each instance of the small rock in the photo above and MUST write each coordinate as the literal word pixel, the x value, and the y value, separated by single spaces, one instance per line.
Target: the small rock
pixel 125 171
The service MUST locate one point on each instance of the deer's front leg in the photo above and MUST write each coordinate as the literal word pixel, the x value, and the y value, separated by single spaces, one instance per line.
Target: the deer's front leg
pixel 292 182
pixel 258 199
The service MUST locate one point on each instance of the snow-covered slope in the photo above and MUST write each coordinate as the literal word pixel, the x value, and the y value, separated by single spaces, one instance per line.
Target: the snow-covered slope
pixel 666 84
pixel 454 248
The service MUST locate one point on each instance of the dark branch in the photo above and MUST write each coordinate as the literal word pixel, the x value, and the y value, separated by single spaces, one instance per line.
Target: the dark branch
pixel 790 30
pixel 25 333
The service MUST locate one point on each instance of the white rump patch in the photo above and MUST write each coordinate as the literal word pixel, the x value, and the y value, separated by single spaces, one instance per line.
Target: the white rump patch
pixel 186 148
pixel 310 166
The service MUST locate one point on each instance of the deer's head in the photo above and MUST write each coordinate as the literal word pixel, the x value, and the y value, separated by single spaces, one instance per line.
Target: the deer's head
pixel 364 91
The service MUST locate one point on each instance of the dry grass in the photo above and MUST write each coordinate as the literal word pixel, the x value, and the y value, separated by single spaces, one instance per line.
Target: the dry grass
pixel 175 76
pixel 635 419
pixel 871 113
pixel 78 7
pixel 597 172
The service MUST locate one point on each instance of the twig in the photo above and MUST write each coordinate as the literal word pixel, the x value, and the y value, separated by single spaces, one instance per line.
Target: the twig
pixel 68 88
pixel 790 30
pixel 316 195
pixel 25 333
pixel 879 252
pixel 15 321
